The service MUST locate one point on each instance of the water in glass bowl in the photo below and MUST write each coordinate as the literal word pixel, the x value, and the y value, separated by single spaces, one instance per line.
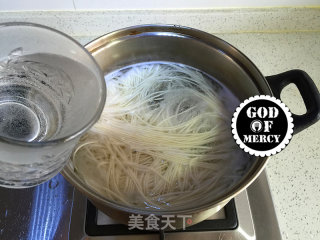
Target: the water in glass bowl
pixel 36 91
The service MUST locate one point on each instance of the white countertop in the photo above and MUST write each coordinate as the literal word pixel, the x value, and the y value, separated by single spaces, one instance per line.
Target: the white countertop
pixel 276 41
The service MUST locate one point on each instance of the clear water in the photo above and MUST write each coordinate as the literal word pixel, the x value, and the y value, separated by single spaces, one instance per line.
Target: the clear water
pixel 18 121
pixel 230 101
pixel 232 166
pixel 35 93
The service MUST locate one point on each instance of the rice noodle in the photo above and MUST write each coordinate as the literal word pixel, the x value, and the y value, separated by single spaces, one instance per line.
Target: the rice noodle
pixel 163 140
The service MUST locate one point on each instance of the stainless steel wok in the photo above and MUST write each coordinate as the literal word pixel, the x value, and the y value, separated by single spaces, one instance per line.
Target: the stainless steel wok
pixel 213 56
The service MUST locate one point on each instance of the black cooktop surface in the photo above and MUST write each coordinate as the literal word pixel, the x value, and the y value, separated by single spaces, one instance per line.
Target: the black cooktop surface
pixel 92 228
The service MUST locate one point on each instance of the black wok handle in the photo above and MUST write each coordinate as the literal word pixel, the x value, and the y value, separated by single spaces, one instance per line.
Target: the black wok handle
pixel 308 91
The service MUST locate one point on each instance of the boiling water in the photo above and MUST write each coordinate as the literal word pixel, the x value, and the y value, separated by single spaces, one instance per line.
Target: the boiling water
pixel 35 93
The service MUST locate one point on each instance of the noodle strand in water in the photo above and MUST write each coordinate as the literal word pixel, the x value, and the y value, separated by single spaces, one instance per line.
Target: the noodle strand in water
pixel 163 140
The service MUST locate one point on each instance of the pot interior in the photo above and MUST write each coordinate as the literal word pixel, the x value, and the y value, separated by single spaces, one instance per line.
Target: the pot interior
pixel 182 45
pixel 190 47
